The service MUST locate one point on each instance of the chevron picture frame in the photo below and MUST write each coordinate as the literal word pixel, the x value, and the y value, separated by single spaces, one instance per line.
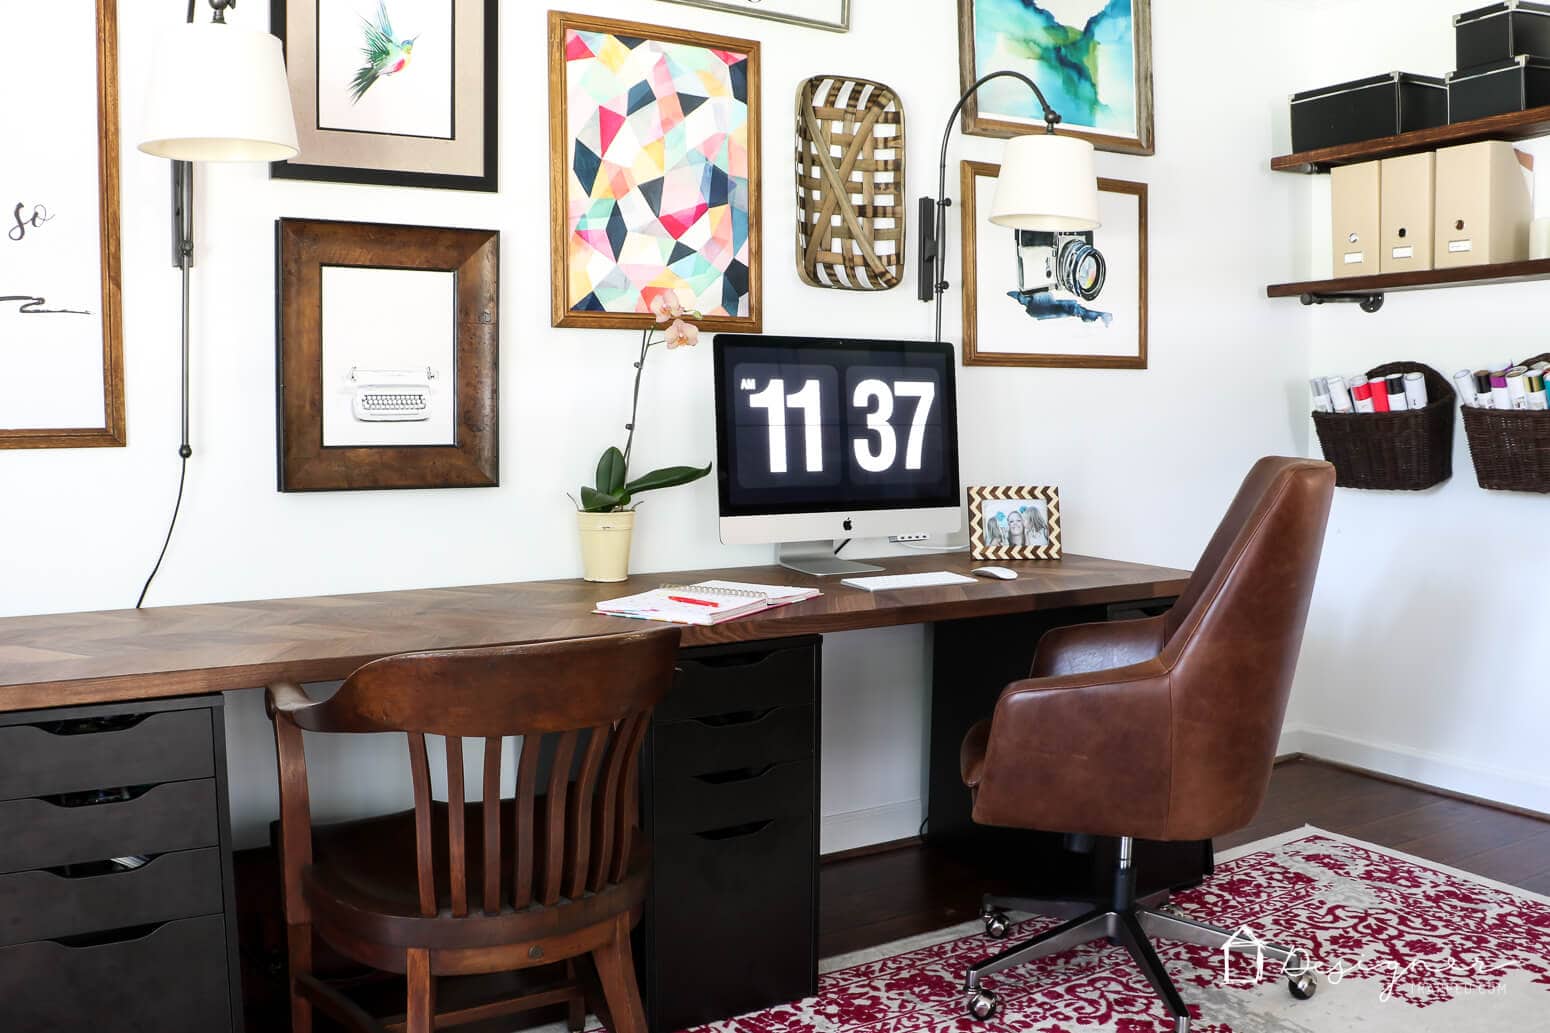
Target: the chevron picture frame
pixel 1012 522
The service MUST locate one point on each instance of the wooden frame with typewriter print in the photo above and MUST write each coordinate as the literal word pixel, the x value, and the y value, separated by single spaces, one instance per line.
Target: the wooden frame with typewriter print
pixel 1035 535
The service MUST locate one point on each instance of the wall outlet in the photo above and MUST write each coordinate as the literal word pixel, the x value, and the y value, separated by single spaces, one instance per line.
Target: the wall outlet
pixel 900 539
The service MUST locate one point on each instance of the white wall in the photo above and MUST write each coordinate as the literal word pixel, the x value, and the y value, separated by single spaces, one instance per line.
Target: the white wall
pixel 1425 654
pixel 1146 460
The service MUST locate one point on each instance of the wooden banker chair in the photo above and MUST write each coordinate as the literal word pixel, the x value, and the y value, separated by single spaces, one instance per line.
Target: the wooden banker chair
pixel 550 875
pixel 1162 729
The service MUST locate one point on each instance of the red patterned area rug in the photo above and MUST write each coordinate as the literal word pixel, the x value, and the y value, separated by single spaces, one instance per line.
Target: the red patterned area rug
pixel 1401 946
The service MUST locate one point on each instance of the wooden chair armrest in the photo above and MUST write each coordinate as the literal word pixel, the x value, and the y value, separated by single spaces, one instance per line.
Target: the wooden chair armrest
pixel 285 697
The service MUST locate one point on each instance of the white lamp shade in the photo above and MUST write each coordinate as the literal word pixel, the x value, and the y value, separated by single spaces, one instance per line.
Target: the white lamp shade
pixel 219 93
pixel 1047 182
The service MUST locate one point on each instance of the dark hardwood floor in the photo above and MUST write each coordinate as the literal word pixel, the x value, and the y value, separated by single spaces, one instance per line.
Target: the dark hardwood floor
pixel 882 897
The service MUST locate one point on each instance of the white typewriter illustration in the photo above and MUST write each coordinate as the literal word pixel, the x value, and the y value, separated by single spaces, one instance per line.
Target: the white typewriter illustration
pixel 391 395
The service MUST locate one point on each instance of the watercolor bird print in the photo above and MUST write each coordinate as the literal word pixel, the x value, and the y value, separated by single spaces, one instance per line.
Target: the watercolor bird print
pixel 384 54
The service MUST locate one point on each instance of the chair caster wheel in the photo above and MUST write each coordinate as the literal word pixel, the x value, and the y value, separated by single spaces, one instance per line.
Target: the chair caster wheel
pixel 1302 986
pixel 997 924
pixel 982 1004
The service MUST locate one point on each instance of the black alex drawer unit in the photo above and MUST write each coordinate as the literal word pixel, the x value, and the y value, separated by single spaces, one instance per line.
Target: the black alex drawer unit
pixel 1515 85
pixel 1367 109
pixel 1500 32
pixel 116 903
pixel 731 808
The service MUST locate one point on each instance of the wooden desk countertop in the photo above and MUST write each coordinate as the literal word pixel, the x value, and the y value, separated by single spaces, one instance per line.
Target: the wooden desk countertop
pixel 71 659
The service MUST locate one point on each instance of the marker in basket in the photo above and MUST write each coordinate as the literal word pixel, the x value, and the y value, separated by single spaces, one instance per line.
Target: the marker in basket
pixel 1501 397
pixel 1321 400
pixel 1534 381
pixel 1517 390
pixel 1339 394
pixel 1380 394
pixel 1396 390
pixel 1415 391
pixel 1464 384
pixel 1361 396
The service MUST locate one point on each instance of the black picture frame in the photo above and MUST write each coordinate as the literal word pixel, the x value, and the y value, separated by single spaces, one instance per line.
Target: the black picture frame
pixel 487 181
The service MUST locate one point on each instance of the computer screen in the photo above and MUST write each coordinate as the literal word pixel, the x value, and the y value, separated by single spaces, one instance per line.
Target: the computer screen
pixel 834 426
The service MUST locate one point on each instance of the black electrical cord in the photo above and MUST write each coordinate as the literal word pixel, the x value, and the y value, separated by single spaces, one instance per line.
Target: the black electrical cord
pixel 840 546
pixel 176 506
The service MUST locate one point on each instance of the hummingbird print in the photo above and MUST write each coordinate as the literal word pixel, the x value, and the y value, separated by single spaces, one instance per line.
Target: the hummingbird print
pixel 384 54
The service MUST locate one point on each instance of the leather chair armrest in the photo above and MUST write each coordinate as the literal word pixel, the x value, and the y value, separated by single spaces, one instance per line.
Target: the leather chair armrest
pixel 1083 648
pixel 1085 753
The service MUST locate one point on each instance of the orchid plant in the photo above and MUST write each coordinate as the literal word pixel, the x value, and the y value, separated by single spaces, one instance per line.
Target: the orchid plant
pixel 613 490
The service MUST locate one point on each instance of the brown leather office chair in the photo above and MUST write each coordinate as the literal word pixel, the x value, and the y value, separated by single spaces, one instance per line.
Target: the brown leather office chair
pixel 552 874
pixel 1160 729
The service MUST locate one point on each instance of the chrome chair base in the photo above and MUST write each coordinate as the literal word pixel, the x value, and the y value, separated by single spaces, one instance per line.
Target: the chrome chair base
pixel 1131 923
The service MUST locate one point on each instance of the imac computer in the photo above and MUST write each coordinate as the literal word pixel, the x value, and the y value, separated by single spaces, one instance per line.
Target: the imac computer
pixel 821 439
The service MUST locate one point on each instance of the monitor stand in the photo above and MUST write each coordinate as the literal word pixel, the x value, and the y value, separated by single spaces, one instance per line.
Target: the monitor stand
pixel 818 559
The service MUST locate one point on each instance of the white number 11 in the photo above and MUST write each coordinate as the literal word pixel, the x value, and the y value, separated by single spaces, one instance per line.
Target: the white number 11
pixel 774 400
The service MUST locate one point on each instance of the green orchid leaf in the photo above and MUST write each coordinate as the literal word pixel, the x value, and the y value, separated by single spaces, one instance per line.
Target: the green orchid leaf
pixel 668 477
pixel 594 501
pixel 610 472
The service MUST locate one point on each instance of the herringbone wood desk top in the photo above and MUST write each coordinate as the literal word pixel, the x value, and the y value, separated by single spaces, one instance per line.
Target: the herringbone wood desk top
pixel 74 658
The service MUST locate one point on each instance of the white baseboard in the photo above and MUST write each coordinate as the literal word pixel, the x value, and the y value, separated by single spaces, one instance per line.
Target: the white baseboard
pixel 851 829
pixel 1455 774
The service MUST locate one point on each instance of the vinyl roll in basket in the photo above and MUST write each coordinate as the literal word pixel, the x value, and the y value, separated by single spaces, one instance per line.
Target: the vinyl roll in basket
pixel 1393 451
pixel 1511 448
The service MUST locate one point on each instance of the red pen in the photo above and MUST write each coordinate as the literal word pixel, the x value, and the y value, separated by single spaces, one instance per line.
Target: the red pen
pixel 693 602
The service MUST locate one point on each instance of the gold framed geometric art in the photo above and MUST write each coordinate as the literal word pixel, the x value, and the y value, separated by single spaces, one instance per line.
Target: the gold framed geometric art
pixel 654 174
pixel 1014 523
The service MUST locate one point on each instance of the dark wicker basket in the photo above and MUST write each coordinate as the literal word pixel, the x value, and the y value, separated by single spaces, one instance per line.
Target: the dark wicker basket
pixel 1393 451
pixel 1511 449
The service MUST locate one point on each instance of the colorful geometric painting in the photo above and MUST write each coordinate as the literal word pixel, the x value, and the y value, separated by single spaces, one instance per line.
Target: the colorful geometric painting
pixel 1091 58
pixel 660 172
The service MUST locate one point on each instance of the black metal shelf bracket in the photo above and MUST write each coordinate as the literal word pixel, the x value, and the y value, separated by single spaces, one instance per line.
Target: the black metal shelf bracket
pixel 1369 302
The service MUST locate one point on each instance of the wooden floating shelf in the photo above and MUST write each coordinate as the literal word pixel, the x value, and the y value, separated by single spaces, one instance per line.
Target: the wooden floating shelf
pixel 1366 288
pixel 1515 125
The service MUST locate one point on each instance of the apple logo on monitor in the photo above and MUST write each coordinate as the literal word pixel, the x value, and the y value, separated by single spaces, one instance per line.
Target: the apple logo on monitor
pixel 847 524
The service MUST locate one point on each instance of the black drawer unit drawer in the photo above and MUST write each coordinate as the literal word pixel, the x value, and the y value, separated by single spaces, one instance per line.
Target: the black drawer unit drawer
pixel 736 932
pixel 730 742
pixel 730 805
pixel 92 753
pixel 41 834
pixel 172 979
pixel 43 905
pixel 728 679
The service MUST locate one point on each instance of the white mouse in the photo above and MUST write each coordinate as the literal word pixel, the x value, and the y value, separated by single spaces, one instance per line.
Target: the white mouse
pixel 1004 573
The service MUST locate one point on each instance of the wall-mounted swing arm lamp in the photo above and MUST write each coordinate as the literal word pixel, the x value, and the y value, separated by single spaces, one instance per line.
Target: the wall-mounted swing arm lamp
pixel 217 93
pixel 1046 183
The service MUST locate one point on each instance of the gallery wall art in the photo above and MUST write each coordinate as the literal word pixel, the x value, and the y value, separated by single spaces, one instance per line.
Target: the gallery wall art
pixel 1044 299
pixel 61 340
pixel 832 15
pixel 1092 59
pixel 654 174
pixel 389 342
pixel 394 92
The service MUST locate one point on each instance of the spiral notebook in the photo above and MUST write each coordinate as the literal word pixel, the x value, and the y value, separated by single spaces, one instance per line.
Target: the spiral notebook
pixel 705 603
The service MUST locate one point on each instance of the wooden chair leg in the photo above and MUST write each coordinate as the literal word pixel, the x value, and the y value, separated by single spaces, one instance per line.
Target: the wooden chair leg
pixel 576 1013
pixel 616 971
pixel 420 1016
pixel 299 950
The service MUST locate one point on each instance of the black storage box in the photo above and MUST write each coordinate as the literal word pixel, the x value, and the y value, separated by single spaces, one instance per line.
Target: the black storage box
pixel 1367 109
pixel 1516 85
pixel 1500 32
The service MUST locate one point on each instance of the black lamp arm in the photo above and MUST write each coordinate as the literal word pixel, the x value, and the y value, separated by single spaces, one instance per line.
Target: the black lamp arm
pixel 934 215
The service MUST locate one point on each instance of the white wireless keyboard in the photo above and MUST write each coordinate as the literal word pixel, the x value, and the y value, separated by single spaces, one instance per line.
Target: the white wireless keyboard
pixel 889 582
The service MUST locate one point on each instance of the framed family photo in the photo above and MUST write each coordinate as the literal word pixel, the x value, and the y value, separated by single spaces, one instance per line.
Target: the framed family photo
pixel 388 356
pixel 392 92
pixel 1055 299
pixel 654 174
pixel 832 15
pixel 1092 59
pixel 61 327
pixel 1014 523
